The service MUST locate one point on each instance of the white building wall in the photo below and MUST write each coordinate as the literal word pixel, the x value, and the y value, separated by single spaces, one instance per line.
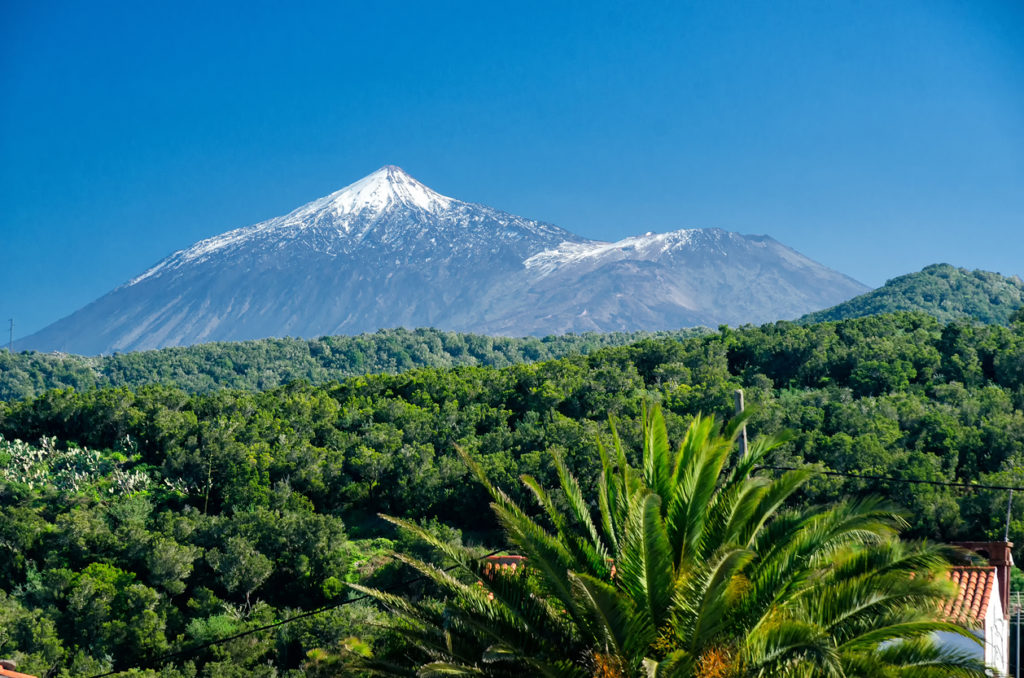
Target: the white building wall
pixel 997 634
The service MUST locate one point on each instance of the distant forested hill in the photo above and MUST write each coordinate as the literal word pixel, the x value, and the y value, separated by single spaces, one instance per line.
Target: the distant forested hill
pixel 266 363
pixel 940 290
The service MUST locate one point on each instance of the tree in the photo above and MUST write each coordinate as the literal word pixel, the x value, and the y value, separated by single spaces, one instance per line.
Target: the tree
pixel 242 568
pixel 1017 316
pixel 692 566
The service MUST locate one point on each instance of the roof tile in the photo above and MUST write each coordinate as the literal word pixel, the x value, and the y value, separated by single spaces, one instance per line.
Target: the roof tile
pixel 976 585
pixel 10 673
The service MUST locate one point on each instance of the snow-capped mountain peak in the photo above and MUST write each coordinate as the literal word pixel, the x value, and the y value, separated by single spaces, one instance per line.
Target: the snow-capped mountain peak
pixel 387 251
pixel 390 186
pixel 362 203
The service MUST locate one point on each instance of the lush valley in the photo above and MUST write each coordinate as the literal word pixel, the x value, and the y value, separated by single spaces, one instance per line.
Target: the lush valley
pixel 940 290
pixel 193 516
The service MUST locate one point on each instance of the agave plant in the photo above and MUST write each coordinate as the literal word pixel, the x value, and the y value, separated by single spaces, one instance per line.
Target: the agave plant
pixel 689 566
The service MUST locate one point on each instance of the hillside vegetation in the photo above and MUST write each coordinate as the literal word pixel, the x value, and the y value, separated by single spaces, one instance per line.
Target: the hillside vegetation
pixel 940 290
pixel 266 363
pixel 138 522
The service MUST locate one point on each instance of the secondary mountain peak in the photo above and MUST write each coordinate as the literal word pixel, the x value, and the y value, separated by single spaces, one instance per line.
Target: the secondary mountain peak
pixel 940 290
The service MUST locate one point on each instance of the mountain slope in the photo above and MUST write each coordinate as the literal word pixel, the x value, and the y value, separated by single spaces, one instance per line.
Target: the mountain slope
pixel 679 279
pixel 387 251
pixel 941 290
pixel 354 261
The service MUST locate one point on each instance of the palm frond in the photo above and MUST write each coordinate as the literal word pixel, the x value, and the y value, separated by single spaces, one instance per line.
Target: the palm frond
pixel 578 505
pixel 790 647
pixel 657 462
pixel 713 592
pixel 434 669
pixel 613 622
pixel 645 562
pixel 924 658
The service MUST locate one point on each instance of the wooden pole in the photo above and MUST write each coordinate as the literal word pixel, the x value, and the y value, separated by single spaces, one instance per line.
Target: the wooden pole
pixel 738 400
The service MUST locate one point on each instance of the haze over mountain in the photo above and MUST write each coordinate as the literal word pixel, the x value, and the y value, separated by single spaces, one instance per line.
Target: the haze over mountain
pixel 387 251
pixel 940 290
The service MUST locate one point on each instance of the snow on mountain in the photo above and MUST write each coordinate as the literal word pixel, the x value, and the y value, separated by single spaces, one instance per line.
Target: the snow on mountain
pixel 388 251
pixel 387 208
pixel 388 187
pixel 635 247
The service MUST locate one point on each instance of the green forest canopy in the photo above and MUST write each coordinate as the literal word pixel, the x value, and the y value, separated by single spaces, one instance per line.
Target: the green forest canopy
pixel 266 363
pixel 941 291
pixel 193 516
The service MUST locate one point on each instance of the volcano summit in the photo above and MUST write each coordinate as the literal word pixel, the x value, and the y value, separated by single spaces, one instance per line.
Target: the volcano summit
pixel 387 251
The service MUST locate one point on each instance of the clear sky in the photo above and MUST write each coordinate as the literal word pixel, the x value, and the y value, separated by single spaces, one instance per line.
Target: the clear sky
pixel 875 137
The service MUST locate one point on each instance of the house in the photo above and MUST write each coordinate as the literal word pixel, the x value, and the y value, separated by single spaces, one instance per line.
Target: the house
pixel 982 604
pixel 504 564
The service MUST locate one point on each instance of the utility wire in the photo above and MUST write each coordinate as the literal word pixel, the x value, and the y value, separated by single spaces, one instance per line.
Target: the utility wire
pixel 163 659
pixel 862 476
pixel 890 479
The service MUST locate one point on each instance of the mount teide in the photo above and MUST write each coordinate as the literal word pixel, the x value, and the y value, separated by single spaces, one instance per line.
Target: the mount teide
pixel 388 251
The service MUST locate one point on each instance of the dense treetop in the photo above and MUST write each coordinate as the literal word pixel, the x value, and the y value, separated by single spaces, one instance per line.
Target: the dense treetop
pixel 266 363
pixel 194 515
pixel 940 290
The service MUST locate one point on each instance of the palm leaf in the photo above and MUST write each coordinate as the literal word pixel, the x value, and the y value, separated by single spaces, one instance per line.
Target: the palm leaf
pixel 646 561
pixel 578 505
pixel 613 620
pixel 447 669
pixel 713 593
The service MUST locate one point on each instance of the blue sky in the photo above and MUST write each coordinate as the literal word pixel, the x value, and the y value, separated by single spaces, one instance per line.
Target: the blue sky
pixel 875 137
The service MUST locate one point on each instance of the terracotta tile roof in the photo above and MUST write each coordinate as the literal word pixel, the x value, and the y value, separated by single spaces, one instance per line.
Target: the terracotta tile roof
pixel 976 586
pixel 9 673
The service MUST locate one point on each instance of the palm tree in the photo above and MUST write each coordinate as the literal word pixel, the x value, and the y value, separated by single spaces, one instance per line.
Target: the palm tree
pixel 691 566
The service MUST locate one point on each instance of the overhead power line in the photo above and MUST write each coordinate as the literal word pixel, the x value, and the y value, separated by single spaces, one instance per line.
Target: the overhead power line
pixel 890 479
pixel 738 397
pixel 163 659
